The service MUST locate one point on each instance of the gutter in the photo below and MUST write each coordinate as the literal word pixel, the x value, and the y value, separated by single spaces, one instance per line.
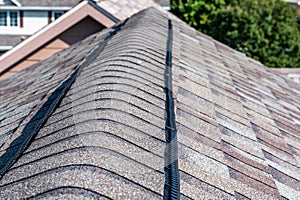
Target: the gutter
pixel 5 48
pixel 34 8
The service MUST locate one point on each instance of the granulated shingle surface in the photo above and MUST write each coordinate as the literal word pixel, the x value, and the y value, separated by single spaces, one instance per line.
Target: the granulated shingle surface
pixel 237 122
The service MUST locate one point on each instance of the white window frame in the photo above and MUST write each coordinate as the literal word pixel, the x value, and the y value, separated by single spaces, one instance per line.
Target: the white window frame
pixel 56 11
pixel 8 18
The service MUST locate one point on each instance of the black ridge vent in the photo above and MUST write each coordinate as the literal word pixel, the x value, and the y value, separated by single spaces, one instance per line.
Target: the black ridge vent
pixel 20 144
pixel 171 187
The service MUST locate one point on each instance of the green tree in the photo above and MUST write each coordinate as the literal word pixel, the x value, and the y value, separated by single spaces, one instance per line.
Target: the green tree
pixel 265 30
pixel 197 13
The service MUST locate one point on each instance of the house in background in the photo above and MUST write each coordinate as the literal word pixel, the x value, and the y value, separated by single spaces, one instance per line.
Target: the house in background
pixel 86 18
pixel 22 18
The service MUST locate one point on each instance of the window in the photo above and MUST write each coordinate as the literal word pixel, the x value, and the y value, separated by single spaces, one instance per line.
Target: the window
pixel 13 18
pixel 9 18
pixel 57 14
pixel 3 18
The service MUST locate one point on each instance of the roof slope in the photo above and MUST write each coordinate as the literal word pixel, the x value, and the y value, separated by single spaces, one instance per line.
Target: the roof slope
pixel 10 40
pixel 52 3
pixel 241 121
pixel 132 6
pixel 291 73
pixel 98 109
pixel 123 9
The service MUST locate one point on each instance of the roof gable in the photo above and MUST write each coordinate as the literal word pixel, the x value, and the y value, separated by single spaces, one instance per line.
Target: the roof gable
pixel 47 34
pixel 106 13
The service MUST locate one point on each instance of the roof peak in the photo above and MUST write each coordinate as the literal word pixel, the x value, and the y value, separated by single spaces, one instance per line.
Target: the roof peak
pixel 237 124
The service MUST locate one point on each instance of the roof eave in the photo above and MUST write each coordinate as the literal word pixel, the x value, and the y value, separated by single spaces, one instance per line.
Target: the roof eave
pixel 5 48
pixel 34 8
pixel 168 8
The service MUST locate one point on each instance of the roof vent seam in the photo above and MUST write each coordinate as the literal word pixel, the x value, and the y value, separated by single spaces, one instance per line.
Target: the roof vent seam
pixel 172 179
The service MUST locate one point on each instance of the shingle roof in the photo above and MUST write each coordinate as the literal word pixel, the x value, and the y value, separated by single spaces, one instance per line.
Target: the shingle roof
pixel 164 3
pixel 237 123
pixel 291 73
pixel 7 42
pixel 123 9
pixel 55 3
pixel 129 5
pixel 10 40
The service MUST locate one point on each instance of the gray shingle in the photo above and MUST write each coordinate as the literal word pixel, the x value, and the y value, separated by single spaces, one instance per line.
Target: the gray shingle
pixel 237 122
pixel 53 3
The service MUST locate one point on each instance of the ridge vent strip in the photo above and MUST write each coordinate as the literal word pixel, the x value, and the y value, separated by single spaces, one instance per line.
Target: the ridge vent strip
pixel 172 179
pixel 50 102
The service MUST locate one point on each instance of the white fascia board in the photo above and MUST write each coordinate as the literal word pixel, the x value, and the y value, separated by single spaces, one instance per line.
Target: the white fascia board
pixel 5 48
pixel 42 31
pixel 16 3
pixel 291 1
pixel 34 8
pixel 168 8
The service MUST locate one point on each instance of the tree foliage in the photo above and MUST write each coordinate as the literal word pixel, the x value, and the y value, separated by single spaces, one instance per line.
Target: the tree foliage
pixel 197 13
pixel 265 30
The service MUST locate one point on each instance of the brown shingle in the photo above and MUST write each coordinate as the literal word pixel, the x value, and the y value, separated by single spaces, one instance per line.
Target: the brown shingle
pixel 285 179
pixel 236 122
pixel 261 186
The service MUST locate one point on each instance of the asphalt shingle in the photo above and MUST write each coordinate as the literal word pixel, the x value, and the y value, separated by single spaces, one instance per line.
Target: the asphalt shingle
pixel 237 122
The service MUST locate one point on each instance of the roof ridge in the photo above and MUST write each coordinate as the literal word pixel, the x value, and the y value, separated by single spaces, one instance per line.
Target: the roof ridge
pixel 172 180
pixel 45 108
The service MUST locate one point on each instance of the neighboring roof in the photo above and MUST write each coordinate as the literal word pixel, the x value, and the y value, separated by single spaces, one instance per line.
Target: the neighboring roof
pixel 10 40
pixel 164 3
pixel 93 120
pixel 67 21
pixel 292 1
pixel 54 3
pixel 122 9
pixel 107 13
pixel 291 73
pixel 131 4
